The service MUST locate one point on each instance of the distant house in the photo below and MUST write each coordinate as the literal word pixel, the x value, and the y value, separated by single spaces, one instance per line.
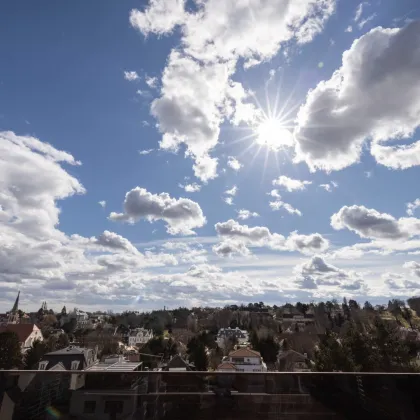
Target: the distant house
pixel 139 336
pixel 226 367
pixel 241 336
pixel 246 360
pixel 292 361
pixel 70 358
pixel 27 334
pixel 177 363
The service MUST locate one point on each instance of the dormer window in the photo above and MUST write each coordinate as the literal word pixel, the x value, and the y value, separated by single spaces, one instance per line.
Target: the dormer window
pixel 75 365
pixel 43 365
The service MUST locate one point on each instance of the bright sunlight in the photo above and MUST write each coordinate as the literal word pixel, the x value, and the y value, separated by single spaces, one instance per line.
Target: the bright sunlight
pixel 272 134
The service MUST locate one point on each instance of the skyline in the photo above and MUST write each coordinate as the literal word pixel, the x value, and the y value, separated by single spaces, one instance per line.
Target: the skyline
pixel 172 153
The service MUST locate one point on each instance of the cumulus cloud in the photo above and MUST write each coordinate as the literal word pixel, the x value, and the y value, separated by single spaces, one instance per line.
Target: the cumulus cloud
pixel 369 223
pixel 291 184
pixel 234 163
pixel 307 244
pixel 412 207
pixel 197 91
pixel 228 201
pixel 317 272
pixel 131 76
pixel 190 188
pixel 414 267
pixel 102 203
pixel 151 82
pixel 181 215
pixel 244 214
pixel 342 113
pixel 236 237
pixel 112 240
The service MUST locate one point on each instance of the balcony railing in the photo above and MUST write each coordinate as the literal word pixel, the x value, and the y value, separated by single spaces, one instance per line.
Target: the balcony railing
pixel 207 395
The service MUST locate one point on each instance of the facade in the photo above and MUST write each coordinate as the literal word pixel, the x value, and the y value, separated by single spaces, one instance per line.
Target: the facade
pixel 27 334
pixel 241 336
pixel 246 360
pixel 292 361
pixel 139 336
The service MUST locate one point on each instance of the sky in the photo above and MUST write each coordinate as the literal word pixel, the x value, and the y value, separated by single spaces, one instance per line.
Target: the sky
pixel 208 152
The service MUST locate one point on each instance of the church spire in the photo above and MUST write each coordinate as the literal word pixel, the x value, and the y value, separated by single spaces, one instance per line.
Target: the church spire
pixel 16 305
pixel 14 313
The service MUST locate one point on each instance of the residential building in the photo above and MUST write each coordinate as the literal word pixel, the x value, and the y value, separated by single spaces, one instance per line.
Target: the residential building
pixel 240 336
pixel 292 361
pixel 27 334
pixel 139 336
pixel 246 360
pixel 109 395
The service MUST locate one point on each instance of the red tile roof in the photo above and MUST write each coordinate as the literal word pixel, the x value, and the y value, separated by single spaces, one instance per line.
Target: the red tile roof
pixel 226 365
pixel 244 353
pixel 21 330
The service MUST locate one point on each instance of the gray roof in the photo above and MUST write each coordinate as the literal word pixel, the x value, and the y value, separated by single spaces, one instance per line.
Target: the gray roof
pixel 68 350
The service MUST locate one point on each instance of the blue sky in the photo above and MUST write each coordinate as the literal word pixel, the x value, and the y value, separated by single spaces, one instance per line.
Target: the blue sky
pixel 197 88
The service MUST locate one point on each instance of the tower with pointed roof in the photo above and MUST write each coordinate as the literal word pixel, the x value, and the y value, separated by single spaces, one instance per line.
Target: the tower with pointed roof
pixel 14 313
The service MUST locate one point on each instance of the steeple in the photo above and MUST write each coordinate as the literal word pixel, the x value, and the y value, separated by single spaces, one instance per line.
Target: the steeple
pixel 14 314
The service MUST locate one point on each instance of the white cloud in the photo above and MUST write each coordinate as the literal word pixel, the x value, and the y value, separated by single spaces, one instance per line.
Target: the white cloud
pixel 234 163
pixel 369 223
pixel 159 17
pixel 329 187
pixel 307 244
pixel 363 22
pixel 359 11
pixel 412 207
pixel 349 29
pixel 197 92
pixel 191 188
pixel 414 267
pixel 228 201
pixel 181 215
pixel 151 82
pixel 236 237
pixel 340 114
pixel 102 203
pixel 205 168
pixel 232 191
pixel 244 214
pixel 317 272
pixel 131 76
pixel 111 240
pixel 291 184
pixel 278 204
pixel 145 152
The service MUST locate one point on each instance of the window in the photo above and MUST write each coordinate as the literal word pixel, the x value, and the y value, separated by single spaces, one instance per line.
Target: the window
pixel 238 359
pixel 75 364
pixel 89 407
pixel 43 365
pixel 113 407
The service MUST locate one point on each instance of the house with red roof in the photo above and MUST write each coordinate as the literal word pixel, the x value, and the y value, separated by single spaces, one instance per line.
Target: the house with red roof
pixel 27 334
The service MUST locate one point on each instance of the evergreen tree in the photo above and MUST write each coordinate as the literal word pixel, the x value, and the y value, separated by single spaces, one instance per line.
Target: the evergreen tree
pixel 35 354
pixel 197 354
pixel 10 354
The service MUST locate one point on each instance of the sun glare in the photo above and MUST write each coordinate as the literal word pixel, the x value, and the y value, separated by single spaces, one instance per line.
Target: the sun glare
pixel 272 134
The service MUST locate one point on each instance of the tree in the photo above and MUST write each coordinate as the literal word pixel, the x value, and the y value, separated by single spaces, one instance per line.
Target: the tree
pixel 197 354
pixel 353 305
pixel 62 341
pixel 70 327
pixel 64 311
pixel 414 304
pixel 35 354
pixel 368 307
pixel 395 307
pixel 408 316
pixel 10 354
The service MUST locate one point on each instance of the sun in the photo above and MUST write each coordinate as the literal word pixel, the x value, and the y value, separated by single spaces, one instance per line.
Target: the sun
pixel 272 134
